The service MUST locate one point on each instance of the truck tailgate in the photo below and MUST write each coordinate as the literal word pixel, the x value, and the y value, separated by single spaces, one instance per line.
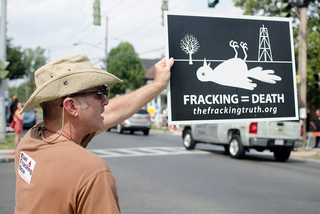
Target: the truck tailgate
pixel 280 129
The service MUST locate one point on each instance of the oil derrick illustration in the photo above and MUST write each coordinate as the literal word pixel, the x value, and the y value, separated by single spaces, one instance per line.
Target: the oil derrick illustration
pixel 264 53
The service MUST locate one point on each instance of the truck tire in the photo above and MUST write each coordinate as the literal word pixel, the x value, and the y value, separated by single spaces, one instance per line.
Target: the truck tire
pixel 119 128
pixel 146 131
pixel 281 156
pixel 188 141
pixel 236 149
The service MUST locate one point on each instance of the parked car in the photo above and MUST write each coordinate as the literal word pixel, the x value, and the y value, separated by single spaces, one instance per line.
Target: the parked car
pixel 140 121
pixel 29 118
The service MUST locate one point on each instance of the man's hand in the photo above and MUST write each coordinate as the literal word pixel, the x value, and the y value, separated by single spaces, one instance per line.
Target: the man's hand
pixel 163 72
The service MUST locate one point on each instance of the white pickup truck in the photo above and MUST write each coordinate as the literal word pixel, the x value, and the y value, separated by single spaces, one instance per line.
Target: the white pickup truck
pixel 237 138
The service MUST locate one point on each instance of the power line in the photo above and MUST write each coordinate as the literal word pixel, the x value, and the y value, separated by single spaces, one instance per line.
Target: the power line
pixel 152 20
pixel 153 50
pixel 125 34
pixel 83 29
pixel 112 8
pixel 118 14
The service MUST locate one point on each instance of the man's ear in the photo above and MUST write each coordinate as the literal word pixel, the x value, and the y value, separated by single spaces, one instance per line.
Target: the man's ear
pixel 70 106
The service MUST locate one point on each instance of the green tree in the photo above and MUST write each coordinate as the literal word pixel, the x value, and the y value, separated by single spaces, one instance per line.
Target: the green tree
pixel 33 59
pixel 16 67
pixel 124 62
pixel 275 8
pixel 313 55
pixel 20 92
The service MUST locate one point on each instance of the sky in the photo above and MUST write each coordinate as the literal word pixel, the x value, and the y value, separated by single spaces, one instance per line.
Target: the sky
pixel 58 25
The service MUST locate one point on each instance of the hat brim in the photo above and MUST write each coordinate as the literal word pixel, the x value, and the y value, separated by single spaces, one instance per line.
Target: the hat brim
pixel 69 83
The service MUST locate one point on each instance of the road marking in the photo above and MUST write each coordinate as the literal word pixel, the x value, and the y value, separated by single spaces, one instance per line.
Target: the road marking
pixel 144 151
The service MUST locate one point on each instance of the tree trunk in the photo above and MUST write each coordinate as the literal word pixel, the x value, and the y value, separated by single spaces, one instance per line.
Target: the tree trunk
pixel 190 59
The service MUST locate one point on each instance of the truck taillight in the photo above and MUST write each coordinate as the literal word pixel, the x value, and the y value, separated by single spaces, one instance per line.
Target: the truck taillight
pixel 253 128
pixel 301 131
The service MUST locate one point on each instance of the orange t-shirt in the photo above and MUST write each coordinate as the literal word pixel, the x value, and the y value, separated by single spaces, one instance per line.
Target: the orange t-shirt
pixel 62 177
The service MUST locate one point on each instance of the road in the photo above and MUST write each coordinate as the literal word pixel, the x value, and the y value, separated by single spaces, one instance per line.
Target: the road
pixel 154 174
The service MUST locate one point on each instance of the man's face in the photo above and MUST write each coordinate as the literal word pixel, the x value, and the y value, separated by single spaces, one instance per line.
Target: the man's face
pixel 318 113
pixel 91 108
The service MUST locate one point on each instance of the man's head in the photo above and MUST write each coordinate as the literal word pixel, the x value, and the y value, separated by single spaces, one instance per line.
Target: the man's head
pixel 52 108
pixel 318 113
pixel 14 98
pixel 65 77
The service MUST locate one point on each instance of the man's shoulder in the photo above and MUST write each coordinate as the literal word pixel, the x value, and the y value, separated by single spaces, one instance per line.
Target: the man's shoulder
pixel 88 159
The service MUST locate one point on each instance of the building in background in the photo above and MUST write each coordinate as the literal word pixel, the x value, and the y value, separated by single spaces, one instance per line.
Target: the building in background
pixel 156 106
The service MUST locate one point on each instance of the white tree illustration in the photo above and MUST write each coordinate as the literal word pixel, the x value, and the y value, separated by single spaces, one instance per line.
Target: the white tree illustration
pixel 189 44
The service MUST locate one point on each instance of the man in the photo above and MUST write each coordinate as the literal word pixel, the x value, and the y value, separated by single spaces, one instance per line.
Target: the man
pixel 317 127
pixel 55 174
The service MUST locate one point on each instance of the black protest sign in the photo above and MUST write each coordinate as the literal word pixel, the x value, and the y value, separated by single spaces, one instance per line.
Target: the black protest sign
pixel 229 68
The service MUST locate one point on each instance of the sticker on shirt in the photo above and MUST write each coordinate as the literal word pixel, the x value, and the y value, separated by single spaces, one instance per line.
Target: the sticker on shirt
pixel 26 167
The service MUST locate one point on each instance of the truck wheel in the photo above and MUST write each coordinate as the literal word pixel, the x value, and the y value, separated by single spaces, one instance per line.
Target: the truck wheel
pixel 281 155
pixel 236 149
pixel 146 131
pixel 188 141
pixel 119 128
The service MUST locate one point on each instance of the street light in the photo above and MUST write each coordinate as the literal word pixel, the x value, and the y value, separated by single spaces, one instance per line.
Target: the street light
pixel 85 43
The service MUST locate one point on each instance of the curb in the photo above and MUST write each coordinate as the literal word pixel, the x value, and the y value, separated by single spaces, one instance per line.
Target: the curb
pixel 307 154
pixel 7 155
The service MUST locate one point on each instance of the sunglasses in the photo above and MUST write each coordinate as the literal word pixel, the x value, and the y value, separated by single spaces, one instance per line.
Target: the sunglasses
pixel 103 92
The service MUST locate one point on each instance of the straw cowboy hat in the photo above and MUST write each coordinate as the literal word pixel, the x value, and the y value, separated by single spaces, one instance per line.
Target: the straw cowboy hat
pixel 66 76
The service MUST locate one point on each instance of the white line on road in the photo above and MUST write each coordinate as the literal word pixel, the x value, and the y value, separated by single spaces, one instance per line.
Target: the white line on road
pixel 144 151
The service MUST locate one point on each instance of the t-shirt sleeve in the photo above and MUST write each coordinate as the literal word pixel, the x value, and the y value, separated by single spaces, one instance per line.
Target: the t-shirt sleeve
pixel 99 195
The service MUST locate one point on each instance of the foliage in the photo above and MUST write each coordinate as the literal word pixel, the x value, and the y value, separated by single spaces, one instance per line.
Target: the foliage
pixel 16 67
pixel 33 59
pixel 9 144
pixel 275 8
pixel 124 62
pixel 313 55
pixel 20 92
pixel 23 63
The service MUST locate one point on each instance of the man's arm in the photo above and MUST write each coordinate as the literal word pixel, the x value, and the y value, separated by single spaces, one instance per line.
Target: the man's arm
pixel 125 106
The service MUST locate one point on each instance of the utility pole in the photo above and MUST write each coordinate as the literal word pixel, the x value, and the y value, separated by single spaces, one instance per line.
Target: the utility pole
pixel 286 7
pixel 96 21
pixel 106 47
pixel 164 7
pixel 3 59
pixel 302 68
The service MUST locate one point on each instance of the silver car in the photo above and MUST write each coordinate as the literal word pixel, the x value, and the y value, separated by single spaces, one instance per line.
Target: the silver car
pixel 140 121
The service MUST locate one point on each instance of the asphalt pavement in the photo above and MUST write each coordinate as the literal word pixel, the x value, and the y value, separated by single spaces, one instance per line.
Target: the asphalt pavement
pixel 7 155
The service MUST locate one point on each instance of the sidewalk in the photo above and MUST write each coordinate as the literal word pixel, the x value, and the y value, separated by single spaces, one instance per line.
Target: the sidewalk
pixel 306 154
pixel 6 155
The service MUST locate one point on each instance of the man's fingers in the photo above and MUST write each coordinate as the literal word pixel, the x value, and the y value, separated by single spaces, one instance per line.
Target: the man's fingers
pixel 170 62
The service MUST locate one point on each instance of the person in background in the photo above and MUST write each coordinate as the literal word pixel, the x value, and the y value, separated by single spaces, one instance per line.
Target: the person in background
pixel 18 125
pixel 318 127
pixel 308 121
pixel 12 105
